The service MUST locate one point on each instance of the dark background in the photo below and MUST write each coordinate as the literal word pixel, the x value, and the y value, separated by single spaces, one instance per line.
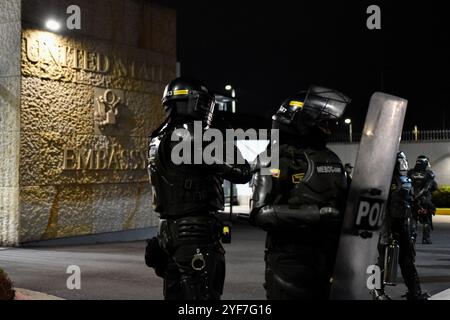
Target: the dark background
pixel 269 50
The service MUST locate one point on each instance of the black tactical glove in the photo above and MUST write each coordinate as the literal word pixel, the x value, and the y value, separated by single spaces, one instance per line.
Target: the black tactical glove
pixel 329 214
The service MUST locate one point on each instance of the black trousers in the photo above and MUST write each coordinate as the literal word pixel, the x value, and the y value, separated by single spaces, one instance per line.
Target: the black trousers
pixel 407 254
pixel 182 282
pixel 425 219
pixel 300 268
pixel 195 268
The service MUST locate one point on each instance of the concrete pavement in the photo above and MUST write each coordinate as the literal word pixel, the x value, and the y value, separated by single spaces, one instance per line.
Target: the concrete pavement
pixel 117 271
pixel 433 261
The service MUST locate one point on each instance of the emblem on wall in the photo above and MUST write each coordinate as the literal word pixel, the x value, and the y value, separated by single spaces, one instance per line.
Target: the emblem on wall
pixel 106 108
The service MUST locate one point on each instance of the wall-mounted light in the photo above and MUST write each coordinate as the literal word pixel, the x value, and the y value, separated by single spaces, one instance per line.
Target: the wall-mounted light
pixel 52 25
pixel 350 129
pixel 228 87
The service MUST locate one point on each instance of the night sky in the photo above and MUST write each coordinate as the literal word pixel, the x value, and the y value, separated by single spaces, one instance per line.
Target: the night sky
pixel 269 50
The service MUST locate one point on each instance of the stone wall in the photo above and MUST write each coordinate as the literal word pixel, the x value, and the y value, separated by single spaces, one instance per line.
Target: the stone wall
pixel 10 27
pixel 89 100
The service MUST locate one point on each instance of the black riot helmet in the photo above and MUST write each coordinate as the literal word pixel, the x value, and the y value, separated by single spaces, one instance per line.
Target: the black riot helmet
pixel 188 98
pixel 423 163
pixel 313 108
pixel 401 164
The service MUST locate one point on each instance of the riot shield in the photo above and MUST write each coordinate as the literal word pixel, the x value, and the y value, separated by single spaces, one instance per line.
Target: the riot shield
pixel 364 213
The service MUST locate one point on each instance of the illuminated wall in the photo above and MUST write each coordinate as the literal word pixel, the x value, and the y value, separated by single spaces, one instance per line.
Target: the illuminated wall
pixel 89 98
pixel 438 152
pixel 10 27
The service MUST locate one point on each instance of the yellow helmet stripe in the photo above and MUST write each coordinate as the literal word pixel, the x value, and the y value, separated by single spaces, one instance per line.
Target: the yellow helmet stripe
pixel 180 92
pixel 297 104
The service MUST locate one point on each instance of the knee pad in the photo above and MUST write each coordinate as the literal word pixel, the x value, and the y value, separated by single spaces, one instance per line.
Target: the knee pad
pixel 289 278
pixel 280 289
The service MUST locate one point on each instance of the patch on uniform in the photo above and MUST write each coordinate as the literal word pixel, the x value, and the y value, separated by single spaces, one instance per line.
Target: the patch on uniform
pixel 275 173
pixel 418 175
pixel 297 178
pixel 329 168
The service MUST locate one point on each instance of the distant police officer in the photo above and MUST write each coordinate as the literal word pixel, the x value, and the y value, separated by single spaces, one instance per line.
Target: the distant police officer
pixel 301 204
pixel 396 243
pixel 187 251
pixel 348 172
pixel 424 184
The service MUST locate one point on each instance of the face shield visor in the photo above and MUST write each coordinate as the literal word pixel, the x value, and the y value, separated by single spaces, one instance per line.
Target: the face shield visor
pixel 423 163
pixel 325 104
pixel 402 164
pixel 191 103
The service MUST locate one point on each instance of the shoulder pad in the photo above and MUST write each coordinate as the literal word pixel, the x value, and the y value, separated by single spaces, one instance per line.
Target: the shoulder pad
pixel 155 140
pixel 332 154
pixel 160 130
pixel 261 191
pixel 431 173
pixel 405 181
pixel 182 132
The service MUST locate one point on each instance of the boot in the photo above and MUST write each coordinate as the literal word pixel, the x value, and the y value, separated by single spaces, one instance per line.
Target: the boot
pixel 426 238
pixel 416 296
pixel 379 294
pixel 412 282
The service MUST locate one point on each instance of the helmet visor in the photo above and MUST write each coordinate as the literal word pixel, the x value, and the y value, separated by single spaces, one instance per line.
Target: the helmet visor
pixel 329 103
pixel 403 166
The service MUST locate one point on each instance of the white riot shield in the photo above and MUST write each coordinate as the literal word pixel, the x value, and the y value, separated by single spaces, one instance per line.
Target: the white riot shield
pixel 365 211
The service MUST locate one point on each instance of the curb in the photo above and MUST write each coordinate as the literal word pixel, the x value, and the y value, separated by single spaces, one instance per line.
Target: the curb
pixel 443 211
pixel 443 295
pixel 24 294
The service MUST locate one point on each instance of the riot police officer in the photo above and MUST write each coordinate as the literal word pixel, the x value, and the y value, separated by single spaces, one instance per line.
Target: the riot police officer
pixel 396 243
pixel 187 251
pixel 348 172
pixel 301 204
pixel 424 184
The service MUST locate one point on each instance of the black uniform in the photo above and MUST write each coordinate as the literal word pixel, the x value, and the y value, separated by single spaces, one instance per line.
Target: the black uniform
pixel 187 252
pixel 348 172
pixel 300 206
pixel 397 231
pixel 423 208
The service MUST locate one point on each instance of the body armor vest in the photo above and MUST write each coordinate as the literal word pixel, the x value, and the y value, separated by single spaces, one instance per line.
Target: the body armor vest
pixel 313 177
pixel 180 190
pixel 400 197
pixel 419 180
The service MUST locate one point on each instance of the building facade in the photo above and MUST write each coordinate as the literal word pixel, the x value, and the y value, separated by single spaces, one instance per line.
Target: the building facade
pixel 76 109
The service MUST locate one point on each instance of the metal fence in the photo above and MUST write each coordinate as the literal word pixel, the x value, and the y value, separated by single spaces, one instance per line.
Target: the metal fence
pixel 419 135
pixel 344 138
